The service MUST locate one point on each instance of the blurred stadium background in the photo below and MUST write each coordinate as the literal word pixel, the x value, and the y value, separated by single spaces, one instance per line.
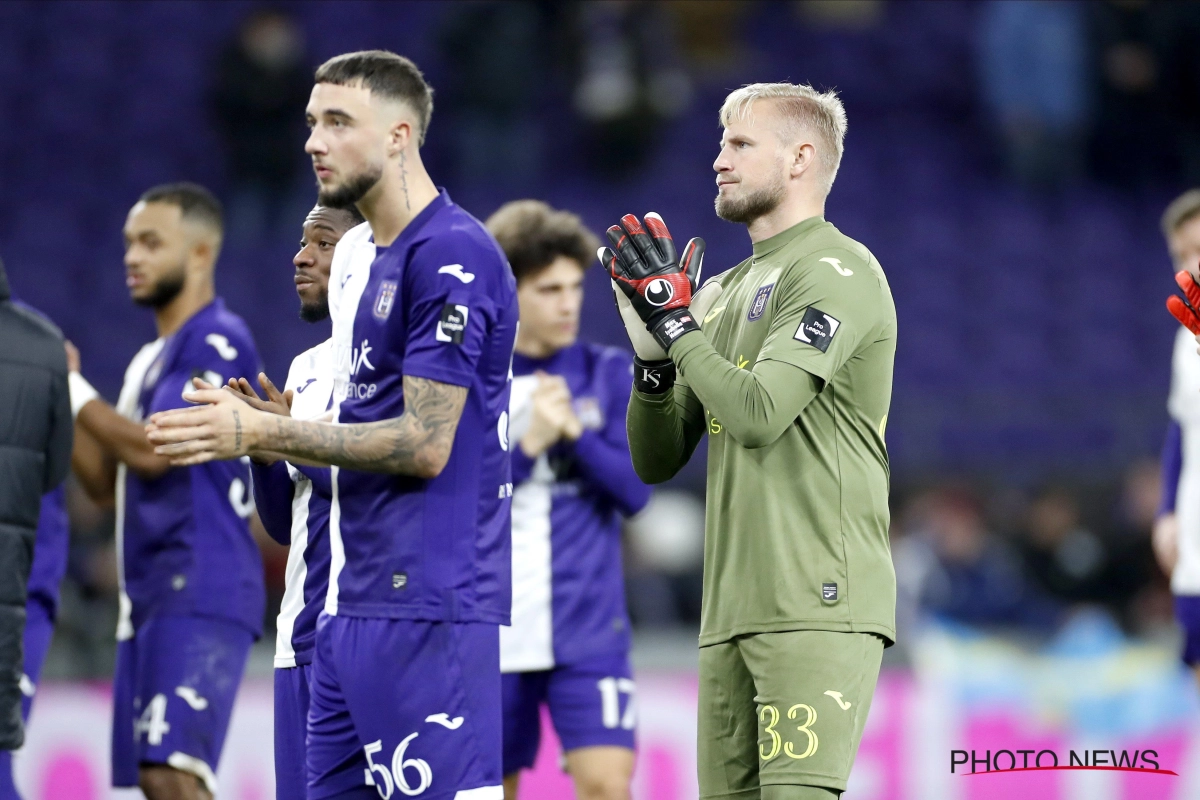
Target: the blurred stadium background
pixel 1006 161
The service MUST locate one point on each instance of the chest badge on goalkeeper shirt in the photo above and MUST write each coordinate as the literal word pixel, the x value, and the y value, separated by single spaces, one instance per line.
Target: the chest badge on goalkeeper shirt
pixel 759 304
pixel 817 329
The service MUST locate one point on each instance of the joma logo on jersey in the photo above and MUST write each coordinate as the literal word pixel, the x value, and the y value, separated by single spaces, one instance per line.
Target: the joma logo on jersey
pixel 384 300
pixel 759 304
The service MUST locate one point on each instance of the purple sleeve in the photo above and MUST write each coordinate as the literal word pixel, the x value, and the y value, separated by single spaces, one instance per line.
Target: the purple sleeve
pixel 1172 465
pixel 603 455
pixel 273 498
pixel 522 465
pixel 448 320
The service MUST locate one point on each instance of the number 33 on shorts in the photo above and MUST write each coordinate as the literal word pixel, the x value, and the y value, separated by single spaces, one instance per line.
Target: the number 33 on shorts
pixel 769 717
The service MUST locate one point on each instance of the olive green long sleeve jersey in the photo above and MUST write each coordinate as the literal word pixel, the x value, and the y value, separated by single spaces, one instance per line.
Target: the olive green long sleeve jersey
pixel 791 379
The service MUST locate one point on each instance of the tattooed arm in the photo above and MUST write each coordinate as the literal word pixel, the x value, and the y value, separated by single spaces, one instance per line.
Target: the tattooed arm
pixel 416 443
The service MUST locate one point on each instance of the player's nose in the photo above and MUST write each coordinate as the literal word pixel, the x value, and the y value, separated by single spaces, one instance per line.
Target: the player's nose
pixel 314 145
pixel 304 257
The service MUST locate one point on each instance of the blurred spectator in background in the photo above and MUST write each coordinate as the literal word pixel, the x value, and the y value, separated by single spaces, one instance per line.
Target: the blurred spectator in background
pixel 630 80
pixel 1140 588
pixel 665 555
pixel 1033 61
pixel 1069 561
pixel 950 566
pixel 492 86
pixel 710 33
pixel 1131 39
pixel 261 86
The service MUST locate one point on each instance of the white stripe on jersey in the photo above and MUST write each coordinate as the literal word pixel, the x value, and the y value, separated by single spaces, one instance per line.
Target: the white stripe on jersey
pixel 1184 407
pixel 348 277
pixel 311 380
pixel 528 644
pixel 127 406
pixel 296 573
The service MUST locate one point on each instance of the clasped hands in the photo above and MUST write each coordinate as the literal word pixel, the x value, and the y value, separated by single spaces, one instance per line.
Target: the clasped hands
pixel 655 291
pixel 553 416
pixel 226 422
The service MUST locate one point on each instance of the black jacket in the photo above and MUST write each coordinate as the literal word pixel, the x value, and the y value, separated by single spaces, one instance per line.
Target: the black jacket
pixel 36 433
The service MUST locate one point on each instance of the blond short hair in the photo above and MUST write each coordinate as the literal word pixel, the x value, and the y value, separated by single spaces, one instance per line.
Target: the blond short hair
pixel 1181 210
pixel 803 110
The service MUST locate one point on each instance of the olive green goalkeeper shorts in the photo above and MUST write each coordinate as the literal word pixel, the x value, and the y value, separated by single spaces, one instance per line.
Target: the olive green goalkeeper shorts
pixel 783 708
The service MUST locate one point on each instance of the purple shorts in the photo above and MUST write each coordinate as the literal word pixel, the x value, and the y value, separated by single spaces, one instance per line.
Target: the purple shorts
pixel 39 629
pixel 173 694
pixel 591 704
pixel 1187 611
pixel 403 708
pixel 291 728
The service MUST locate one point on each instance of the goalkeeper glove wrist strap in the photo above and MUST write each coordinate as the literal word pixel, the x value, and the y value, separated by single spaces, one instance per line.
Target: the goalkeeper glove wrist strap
pixel 653 377
pixel 669 327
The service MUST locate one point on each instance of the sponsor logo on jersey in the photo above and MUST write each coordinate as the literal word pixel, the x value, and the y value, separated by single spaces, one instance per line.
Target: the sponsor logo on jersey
pixel 829 591
pixel 453 324
pixel 384 300
pixel 817 328
pixel 759 304
pixel 349 361
pixel 399 580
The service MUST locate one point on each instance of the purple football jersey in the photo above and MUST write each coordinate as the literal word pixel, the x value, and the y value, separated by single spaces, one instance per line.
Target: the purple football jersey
pixel 569 602
pixel 184 543
pixel 293 503
pixel 50 551
pixel 439 303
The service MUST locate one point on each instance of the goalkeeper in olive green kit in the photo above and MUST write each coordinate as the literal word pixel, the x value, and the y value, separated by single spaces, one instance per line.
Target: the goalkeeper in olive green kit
pixel 785 362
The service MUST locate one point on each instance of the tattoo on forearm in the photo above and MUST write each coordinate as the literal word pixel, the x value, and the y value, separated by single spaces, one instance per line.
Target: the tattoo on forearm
pixel 237 430
pixel 404 181
pixel 416 443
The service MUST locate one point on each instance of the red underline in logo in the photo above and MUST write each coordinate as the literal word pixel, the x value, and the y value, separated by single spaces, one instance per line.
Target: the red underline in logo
pixel 1138 770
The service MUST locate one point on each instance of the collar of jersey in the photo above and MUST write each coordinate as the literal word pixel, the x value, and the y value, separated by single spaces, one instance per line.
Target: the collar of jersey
pixel 768 246
pixel 416 223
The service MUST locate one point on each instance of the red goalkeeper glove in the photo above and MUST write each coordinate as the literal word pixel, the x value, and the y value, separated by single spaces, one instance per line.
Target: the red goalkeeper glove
pixel 643 266
pixel 1186 311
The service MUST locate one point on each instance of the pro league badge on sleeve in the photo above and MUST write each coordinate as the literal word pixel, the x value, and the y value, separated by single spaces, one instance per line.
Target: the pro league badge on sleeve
pixel 452 324
pixel 817 328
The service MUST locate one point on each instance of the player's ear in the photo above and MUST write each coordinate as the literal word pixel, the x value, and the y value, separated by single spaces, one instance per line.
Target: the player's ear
pixel 802 156
pixel 400 133
pixel 204 249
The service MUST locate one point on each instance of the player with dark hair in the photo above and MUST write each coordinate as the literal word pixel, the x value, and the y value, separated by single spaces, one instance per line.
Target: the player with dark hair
pixel 192 597
pixel 405 673
pixel 568 646
pixel 785 361
pixel 293 501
